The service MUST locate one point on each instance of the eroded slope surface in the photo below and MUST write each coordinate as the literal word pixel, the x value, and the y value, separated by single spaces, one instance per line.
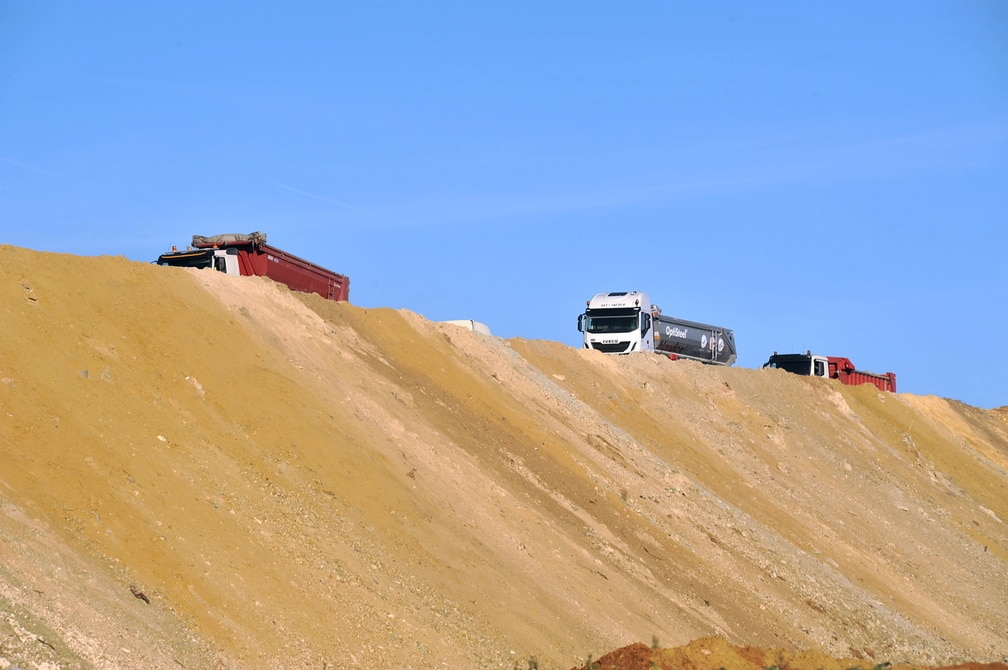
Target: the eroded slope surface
pixel 205 471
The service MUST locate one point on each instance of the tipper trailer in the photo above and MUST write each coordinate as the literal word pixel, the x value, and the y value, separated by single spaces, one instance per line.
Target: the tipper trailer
pixel 250 256
pixel 627 322
pixel 831 367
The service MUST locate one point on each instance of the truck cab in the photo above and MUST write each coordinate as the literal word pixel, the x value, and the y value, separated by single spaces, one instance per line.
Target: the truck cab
pixel 808 364
pixel 617 323
pixel 222 260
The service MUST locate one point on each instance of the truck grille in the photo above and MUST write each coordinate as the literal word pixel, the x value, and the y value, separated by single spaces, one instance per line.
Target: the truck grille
pixel 617 348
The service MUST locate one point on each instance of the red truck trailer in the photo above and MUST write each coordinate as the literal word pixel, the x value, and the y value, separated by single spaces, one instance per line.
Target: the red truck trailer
pixel 250 256
pixel 832 367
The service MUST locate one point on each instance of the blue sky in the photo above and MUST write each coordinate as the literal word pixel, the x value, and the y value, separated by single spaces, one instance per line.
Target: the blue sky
pixel 825 176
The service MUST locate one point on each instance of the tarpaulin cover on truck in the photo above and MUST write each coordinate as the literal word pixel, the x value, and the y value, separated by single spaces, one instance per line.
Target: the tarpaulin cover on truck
pixel 228 238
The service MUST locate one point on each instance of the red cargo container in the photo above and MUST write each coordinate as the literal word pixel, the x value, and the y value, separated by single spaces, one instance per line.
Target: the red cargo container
pixel 250 256
pixel 843 369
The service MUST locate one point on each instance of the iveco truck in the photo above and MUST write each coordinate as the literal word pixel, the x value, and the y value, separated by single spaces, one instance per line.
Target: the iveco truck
pixel 627 322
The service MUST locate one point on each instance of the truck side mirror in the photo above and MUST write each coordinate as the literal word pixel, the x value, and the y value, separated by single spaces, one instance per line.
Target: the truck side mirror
pixel 645 323
pixel 580 323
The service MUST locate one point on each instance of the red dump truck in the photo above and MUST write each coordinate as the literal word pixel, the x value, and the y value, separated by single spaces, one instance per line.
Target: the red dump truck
pixel 831 367
pixel 250 256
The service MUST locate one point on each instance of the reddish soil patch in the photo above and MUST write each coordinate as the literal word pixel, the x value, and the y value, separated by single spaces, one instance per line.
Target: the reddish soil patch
pixel 716 654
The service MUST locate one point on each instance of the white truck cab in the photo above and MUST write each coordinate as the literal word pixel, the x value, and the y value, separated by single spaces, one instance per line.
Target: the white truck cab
pixel 618 323
pixel 808 364
pixel 222 260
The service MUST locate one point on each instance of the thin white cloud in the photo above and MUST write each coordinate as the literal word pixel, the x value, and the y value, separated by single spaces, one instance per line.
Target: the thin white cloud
pixel 331 201
pixel 727 168
pixel 794 160
pixel 27 166
pixel 941 148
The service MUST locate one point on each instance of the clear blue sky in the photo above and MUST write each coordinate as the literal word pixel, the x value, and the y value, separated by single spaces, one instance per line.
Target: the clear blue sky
pixel 826 176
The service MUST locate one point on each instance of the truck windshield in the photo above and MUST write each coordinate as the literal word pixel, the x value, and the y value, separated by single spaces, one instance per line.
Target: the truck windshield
pixel 798 365
pixel 613 321
pixel 199 258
